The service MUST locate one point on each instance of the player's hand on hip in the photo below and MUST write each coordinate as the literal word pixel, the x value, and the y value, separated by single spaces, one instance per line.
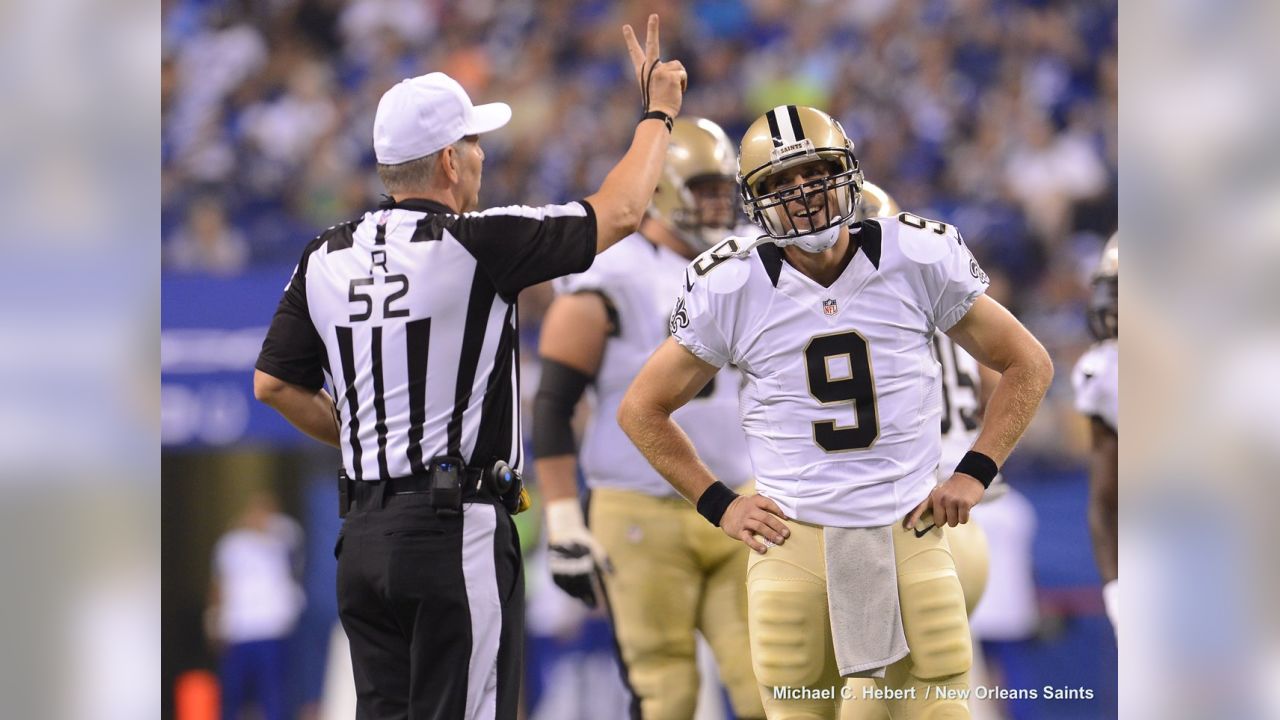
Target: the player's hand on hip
pixel 949 502
pixel 662 84
pixel 753 519
pixel 574 555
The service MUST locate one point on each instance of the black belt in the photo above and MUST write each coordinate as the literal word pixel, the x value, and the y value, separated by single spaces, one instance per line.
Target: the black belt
pixel 363 494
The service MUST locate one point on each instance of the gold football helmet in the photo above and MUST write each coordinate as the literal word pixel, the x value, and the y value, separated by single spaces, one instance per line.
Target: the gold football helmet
pixel 799 178
pixel 875 203
pixel 699 180
pixel 1104 303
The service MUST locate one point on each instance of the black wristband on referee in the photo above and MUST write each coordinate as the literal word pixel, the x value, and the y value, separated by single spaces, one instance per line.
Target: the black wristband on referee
pixel 978 466
pixel 714 501
pixel 658 115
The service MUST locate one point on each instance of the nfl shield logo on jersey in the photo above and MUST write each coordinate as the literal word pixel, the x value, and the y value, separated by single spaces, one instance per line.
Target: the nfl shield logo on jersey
pixel 829 307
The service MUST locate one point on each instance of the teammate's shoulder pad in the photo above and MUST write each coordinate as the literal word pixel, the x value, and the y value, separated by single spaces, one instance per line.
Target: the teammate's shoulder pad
pixel 614 266
pixel 1096 359
pixel 623 256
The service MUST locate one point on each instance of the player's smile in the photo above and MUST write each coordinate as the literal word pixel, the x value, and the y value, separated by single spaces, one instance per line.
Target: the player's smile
pixel 808 215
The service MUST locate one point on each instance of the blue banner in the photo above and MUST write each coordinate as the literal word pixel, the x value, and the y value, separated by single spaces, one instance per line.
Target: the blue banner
pixel 211 330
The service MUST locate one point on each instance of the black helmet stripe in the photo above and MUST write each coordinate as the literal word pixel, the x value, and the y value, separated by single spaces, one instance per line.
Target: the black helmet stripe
pixel 774 133
pixel 785 127
pixel 796 128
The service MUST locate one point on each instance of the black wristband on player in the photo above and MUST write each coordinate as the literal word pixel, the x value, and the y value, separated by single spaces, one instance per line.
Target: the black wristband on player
pixel 714 501
pixel 658 115
pixel 979 466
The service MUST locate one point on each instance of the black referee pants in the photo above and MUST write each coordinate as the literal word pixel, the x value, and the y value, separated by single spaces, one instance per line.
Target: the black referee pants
pixel 434 609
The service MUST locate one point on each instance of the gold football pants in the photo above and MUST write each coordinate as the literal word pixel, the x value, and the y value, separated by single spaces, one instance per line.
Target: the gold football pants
pixel 969 549
pixel 791 643
pixel 674 573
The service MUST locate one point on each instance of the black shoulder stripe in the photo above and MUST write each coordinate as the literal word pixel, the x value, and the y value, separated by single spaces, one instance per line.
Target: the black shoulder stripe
pixel 427 229
pixel 340 237
pixel 869 241
pixel 795 122
pixel 610 310
pixel 774 132
pixel 771 258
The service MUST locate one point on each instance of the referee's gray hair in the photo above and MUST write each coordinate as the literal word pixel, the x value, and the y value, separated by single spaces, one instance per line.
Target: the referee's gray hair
pixel 413 174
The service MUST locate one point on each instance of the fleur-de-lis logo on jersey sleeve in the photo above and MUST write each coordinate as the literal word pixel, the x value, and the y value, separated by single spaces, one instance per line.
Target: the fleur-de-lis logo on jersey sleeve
pixel 679 317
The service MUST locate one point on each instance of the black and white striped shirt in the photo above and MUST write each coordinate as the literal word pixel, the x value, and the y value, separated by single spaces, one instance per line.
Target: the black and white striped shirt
pixel 409 316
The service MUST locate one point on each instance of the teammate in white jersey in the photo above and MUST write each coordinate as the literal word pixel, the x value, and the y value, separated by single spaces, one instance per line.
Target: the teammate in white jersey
pixel 830 321
pixel 671 573
pixel 1097 384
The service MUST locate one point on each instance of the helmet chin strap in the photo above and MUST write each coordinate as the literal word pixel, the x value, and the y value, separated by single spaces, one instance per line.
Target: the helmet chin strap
pixel 816 242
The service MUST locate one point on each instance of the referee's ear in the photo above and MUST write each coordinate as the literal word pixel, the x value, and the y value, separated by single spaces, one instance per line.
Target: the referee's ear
pixel 448 164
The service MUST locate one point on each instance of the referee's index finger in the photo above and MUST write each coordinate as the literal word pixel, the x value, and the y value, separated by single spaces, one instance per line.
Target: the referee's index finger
pixel 651 50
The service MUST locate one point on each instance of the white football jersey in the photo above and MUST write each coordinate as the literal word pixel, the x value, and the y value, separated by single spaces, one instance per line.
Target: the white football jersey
pixel 961 406
pixel 842 404
pixel 639 280
pixel 1096 379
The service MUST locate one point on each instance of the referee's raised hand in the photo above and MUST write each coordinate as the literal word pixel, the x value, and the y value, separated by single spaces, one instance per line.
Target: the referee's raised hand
pixel 662 84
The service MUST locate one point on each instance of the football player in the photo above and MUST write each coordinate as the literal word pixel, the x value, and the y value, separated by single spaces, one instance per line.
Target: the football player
pixel 1096 379
pixel 672 573
pixel 831 322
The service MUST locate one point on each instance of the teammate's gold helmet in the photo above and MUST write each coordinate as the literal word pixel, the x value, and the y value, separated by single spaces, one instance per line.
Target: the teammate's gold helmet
pixel 876 203
pixel 783 138
pixel 701 163
pixel 1104 303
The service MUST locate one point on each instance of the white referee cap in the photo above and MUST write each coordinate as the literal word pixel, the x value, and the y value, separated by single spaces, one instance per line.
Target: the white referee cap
pixel 426 114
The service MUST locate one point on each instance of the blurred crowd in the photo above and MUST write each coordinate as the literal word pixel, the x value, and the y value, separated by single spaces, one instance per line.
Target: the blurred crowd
pixel 994 115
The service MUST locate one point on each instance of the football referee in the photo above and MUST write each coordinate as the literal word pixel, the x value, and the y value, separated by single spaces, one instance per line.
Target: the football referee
pixel 408 315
